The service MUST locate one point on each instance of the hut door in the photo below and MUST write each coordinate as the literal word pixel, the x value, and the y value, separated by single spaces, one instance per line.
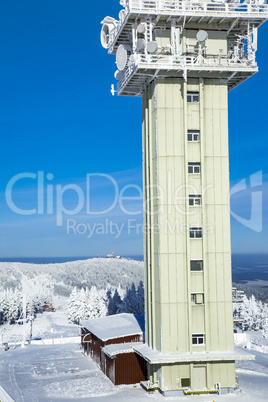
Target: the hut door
pixel 199 378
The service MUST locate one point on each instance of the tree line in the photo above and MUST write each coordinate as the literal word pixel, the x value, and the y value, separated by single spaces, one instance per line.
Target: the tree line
pixel 91 303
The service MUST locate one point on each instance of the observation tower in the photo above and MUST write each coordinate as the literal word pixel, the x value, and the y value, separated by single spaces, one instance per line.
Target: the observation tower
pixel 182 58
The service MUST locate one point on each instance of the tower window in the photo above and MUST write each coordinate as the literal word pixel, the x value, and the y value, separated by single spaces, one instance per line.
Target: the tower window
pixel 197 298
pixel 185 382
pixel 198 339
pixel 195 233
pixel 194 200
pixel 196 265
pixel 194 167
pixel 193 135
pixel 192 97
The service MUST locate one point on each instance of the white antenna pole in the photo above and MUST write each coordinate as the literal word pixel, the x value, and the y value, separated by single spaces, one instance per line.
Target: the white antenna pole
pixel 113 90
pixel 255 39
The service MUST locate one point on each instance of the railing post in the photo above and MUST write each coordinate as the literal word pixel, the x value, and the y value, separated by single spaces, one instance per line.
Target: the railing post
pixel 162 5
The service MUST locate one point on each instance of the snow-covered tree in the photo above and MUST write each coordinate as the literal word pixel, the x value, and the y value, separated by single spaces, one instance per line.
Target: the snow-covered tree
pixel 133 301
pixel 97 305
pixel 253 312
pixel 140 299
pixel 117 301
pixel 86 304
pixel 73 306
pixel 130 302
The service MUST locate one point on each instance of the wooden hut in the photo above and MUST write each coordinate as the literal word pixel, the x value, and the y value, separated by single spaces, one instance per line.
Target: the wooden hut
pixel 109 340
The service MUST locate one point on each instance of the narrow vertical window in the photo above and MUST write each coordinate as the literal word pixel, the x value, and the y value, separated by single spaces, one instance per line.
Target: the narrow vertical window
pixel 196 265
pixel 197 298
pixel 192 97
pixel 194 200
pixel 194 168
pixel 193 135
pixel 198 339
pixel 195 233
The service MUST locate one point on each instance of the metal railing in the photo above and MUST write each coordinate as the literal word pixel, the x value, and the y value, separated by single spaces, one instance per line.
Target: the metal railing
pixel 164 6
pixel 185 62
pixel 254 8
pixel 170 61
pixel 126 77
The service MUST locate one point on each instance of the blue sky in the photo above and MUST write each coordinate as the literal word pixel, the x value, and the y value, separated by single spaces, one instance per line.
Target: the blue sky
pixel 58 116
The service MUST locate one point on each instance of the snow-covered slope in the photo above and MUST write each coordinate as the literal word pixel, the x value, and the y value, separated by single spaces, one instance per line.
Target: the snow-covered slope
pixel 93 272
pixel 252 340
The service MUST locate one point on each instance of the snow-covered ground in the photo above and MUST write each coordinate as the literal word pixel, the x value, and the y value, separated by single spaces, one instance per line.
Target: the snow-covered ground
pixel 252 340
pixel 46 328
pixel 50 371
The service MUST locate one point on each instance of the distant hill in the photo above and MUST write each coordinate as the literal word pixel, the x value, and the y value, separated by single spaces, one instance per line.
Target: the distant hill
pixel 65 276
pixel 97 272
pixel 260 292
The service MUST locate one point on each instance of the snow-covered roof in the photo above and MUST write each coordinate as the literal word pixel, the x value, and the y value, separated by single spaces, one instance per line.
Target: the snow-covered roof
pixel 119 348
pixel 4 396
pixel 156 357
pixel 115 326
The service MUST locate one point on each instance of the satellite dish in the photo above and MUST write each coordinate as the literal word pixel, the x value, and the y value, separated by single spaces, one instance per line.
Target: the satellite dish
pixel 108 25
pixel 118 75
pixel 141 29
pixel 105 33
pixel 201 36
pixel 121 57
pixel 152 47
pixel 141 44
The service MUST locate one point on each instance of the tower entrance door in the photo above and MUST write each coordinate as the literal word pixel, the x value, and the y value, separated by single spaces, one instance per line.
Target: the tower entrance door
pixel 199 378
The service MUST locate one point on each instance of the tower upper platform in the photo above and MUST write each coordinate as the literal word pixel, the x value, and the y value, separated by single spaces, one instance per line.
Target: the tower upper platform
pixel 160 38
